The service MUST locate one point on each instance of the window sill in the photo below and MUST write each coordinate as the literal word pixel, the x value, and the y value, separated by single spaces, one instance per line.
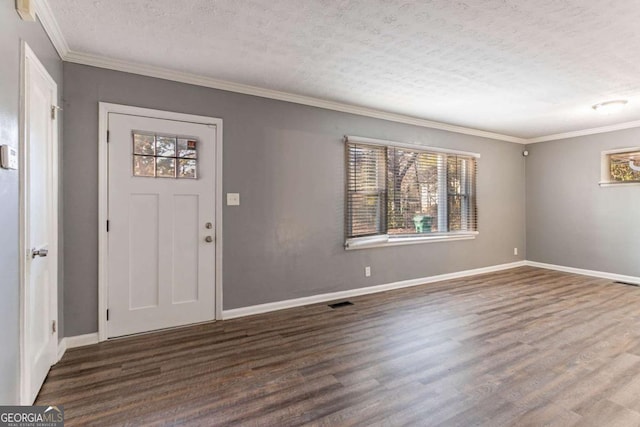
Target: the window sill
pixel 617 184
pixel 384 241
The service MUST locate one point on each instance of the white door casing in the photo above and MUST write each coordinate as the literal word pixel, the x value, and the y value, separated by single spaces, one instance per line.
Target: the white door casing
pixel 160 270
pixel 38 226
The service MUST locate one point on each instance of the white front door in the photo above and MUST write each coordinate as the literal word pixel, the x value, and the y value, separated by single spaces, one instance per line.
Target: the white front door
pixel 161 223
pixel 39 181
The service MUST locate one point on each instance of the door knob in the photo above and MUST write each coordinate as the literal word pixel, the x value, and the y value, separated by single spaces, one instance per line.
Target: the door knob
pixel 208 239
pixel 39 252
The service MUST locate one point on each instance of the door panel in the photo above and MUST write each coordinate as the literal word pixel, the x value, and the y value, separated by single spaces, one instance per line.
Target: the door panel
pixel 39 227
pixel 143 254
pixel 161 268
pixel 185 248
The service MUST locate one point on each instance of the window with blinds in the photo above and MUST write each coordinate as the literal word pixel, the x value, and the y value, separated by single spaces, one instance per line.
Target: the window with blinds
pixel 397 191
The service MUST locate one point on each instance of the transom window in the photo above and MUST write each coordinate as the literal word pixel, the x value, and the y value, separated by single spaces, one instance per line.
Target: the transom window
pixel 621 166
pixel 396 192
pixel 164 156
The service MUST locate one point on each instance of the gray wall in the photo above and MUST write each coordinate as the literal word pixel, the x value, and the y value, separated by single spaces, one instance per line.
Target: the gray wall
pixel 286 238
pixel 571 221
pixel 12 31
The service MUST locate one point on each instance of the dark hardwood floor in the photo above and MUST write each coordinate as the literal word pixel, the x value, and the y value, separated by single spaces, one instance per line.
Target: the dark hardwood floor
pixel 520 347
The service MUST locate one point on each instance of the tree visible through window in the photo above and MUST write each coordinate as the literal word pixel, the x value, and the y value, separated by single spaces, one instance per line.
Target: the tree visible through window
pixel 625 167
pixel 161 156
pixel 399 191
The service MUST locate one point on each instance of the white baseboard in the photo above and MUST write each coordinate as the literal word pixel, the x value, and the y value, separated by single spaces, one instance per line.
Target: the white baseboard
pixel 297 302
pixel 593 273
pixel 62 347
pixel 88 339
pixel 82 340
pixel 76 341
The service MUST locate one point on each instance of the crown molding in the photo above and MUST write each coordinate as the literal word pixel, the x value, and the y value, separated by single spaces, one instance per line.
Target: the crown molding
pixel 194 79
pixel 51 27
pixel 198 80
pixel 584 132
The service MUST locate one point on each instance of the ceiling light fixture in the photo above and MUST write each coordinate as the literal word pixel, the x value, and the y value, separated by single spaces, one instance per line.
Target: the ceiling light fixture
pixel 610 107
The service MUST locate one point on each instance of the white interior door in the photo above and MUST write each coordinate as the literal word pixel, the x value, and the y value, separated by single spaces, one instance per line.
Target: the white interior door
pixel 161 223
pixel 39 226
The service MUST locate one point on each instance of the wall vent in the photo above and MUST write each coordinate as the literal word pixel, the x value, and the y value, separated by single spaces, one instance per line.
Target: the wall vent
pixel 340 304
pixel 627 283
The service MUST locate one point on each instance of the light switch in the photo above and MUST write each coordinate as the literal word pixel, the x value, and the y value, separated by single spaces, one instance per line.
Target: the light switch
pixel 233 199
pixel 8 157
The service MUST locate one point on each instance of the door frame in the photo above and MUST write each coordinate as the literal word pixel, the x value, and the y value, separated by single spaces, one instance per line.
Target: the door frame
pixel 103 199
pixel 27 55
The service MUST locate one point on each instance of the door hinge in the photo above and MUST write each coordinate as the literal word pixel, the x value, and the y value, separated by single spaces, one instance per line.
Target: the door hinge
pixel 53 327
pixel 107 226
pixel 54 111
pixel 108 139
pixel 107 314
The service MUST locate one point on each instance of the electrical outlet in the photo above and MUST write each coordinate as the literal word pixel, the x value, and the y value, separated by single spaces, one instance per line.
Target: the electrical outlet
pixel 515 251
pixel 367 271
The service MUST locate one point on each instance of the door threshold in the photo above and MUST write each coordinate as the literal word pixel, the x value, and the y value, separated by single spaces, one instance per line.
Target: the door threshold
pixel 156 331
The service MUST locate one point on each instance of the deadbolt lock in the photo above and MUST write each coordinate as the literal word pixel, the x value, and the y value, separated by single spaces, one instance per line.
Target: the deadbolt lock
pixel 208 226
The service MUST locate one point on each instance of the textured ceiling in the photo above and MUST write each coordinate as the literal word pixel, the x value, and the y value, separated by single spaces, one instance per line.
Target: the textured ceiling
pixel 518 67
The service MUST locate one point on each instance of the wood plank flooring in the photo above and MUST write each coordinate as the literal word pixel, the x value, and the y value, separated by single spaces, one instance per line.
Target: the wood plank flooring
pixel 525 347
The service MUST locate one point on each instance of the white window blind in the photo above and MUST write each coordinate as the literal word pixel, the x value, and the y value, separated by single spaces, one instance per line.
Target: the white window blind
pixel 396 190
pixel 366 190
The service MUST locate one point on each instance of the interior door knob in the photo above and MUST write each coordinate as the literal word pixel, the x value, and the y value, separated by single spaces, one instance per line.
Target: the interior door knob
pixel 208 239
pixel 39 252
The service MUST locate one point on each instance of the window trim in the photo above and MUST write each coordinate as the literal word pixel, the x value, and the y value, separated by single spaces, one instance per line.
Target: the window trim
pixel 605 168
pixel 383 240
pixel 413 146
